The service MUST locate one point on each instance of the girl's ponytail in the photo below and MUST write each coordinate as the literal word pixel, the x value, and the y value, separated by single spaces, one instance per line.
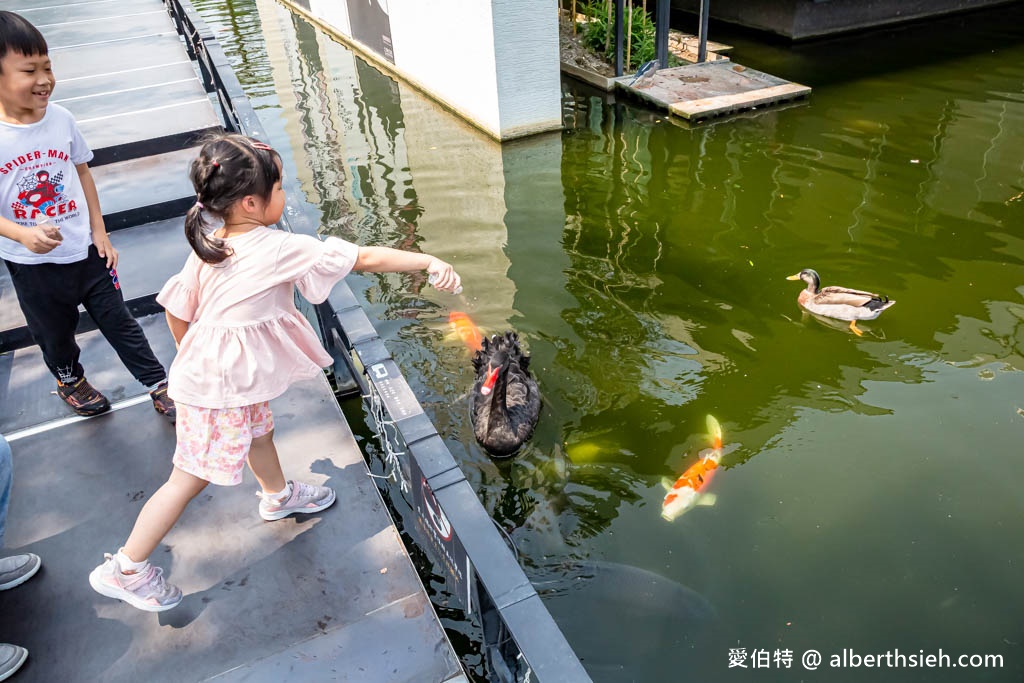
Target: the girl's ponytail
pixel 207 247
pixel 229 167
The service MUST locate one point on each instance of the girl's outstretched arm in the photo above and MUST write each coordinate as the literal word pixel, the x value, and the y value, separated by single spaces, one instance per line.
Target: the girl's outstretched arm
pixel 387 260
pixel 178 327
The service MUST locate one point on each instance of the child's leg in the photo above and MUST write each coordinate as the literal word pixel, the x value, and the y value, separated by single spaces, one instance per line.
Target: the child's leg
pixel 105 303
pixel 48 296
pixel 160 513
pixel 265 464
pixel 128 575
pixel 280 498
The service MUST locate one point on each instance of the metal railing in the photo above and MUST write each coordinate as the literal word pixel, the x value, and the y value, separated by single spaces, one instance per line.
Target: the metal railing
pixel 522 643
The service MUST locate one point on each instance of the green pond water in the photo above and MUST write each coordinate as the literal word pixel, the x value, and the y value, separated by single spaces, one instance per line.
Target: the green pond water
pixel 871 500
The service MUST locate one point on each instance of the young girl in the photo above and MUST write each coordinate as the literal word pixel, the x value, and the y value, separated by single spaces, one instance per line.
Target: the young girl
pixel 241 342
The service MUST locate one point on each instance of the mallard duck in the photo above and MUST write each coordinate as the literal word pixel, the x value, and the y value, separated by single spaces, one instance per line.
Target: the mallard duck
pixel 505 403
pixel 839 302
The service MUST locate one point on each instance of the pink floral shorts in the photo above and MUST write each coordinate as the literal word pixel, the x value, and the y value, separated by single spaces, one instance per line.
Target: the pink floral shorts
pixel 213 443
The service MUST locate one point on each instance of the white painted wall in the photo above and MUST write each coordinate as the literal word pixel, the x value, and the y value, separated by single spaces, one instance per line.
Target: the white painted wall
pixel 493 62
pixel 447 48
pixel 527 65
pixel 332 12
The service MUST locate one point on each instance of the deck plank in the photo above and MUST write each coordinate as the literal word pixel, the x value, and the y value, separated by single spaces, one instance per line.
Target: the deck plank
pixel 116 58
pixel 135 185
pixel 48 12
pixel 125 81
pixel 725 104
pixel 106 29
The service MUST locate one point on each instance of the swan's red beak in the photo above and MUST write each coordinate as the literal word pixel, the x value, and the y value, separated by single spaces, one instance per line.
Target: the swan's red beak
pixel 488 385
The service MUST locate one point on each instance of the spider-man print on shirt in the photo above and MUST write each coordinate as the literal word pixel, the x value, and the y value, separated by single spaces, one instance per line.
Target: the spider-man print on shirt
pixel 40 192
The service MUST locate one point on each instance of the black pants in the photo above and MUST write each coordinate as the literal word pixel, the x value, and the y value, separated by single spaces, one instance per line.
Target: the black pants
pixel 49 295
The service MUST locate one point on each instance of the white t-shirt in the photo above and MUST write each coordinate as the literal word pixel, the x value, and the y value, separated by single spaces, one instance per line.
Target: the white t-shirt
pixel 37 177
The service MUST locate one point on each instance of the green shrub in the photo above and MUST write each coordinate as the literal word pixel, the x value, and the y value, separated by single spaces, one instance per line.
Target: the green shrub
pixel 599 34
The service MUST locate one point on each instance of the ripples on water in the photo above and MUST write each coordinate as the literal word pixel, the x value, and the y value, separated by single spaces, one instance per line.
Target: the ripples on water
pixel 872 502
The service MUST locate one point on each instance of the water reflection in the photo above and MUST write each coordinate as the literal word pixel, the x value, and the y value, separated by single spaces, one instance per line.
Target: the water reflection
pixel 871 502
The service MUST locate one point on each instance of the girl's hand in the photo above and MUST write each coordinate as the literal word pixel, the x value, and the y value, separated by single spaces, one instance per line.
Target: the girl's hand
pixel 37 241
pixel 105 248
pixel 443 276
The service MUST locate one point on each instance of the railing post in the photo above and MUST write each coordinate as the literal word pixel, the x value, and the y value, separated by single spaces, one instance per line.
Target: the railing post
pixel 618 37
pixel 702 35
pixel 661 32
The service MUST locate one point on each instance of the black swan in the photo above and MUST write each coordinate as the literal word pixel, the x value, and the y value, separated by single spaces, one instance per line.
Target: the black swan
pixel 505 404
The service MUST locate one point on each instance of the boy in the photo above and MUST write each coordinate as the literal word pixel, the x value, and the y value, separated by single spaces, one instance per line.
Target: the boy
pixel 52 236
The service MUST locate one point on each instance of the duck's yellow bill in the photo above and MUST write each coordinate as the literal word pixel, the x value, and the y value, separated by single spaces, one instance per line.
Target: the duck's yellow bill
pixel 794 277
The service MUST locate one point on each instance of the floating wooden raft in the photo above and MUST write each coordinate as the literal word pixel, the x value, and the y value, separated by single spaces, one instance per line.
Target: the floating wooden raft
pixel 699 91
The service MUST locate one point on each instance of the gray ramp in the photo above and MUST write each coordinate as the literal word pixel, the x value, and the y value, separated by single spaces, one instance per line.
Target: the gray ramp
pixel 107 27
pixel 325 595
pixel 124 74
pixel 46 12
pixel 145 189
pixel 136 79
pixel 115 58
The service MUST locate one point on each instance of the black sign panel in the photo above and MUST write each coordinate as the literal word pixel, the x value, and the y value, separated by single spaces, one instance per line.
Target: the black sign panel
pixel 371 26
pixel 441 538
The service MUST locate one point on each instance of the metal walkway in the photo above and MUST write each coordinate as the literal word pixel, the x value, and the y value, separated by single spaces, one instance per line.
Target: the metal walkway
pixel 333 597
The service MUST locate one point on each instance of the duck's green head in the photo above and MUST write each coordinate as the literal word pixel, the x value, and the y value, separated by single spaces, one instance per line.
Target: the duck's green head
pixel 810 276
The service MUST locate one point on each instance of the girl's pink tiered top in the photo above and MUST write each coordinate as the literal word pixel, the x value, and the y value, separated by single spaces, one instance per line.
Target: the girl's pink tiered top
pixel 247 342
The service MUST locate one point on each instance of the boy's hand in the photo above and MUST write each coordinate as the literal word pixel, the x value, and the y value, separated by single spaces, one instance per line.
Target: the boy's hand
pixel 37 241
pixel 52 231
pixel 105 248
pixel 443 276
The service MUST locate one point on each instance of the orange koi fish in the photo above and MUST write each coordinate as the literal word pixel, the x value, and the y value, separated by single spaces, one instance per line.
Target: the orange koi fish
pixel 687 491
pixel 464 328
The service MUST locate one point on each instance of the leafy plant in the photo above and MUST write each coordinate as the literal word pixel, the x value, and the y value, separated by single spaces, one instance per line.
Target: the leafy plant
pixel 637 30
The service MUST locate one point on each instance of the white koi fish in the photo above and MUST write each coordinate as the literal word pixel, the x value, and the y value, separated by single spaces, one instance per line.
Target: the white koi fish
pixel 688 490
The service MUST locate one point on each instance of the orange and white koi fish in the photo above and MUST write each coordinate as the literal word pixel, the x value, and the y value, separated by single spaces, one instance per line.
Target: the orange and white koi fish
pixel 688 490
pixel 464 328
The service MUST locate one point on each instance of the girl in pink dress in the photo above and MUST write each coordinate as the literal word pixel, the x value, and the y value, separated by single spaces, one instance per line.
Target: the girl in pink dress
pixel 241 342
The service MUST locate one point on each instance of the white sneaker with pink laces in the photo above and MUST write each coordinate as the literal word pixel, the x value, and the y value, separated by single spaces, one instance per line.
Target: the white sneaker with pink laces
pixel 304 498
pixel 147 590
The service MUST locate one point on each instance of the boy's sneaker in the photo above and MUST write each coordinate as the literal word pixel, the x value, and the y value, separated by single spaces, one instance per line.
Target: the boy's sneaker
pixel 163 403
pixel 17 569
pixel 11 659
pixel 305 498
pixel 82 398
pixel 145 590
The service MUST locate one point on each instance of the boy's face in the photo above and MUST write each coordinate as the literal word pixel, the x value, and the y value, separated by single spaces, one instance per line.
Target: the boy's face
pixel 26 82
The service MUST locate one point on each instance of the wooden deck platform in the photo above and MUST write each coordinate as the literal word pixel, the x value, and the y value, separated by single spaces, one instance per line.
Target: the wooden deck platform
pixel 693 91
pixel 332 597
pixel 701 91
pixel 683 46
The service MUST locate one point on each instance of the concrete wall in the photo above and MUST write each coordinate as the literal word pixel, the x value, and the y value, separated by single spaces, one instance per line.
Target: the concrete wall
pixel 494 63
pixel 801 19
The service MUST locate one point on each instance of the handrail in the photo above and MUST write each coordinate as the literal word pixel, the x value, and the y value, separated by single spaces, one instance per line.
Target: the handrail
pixel 522 643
